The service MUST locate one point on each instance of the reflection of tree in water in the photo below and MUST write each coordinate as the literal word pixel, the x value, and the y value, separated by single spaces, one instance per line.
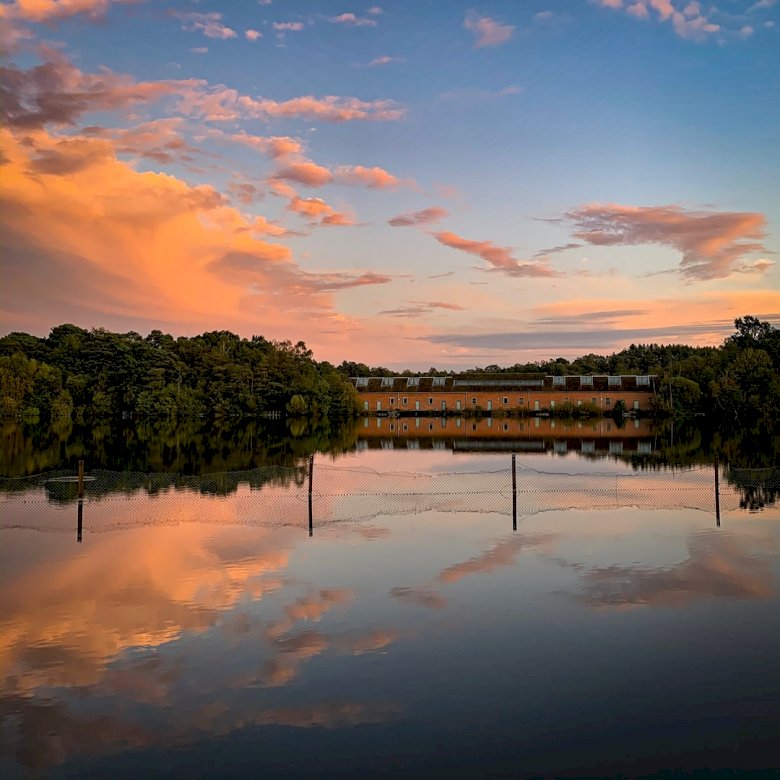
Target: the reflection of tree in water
pixel 758 488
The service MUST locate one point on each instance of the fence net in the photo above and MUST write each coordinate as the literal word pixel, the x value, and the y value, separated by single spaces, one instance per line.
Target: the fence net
pixel 281 496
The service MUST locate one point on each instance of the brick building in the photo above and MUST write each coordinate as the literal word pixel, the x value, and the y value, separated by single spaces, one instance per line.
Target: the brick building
pixel 529 394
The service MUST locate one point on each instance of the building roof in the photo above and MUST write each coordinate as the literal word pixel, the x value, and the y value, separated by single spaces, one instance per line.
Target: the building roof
pixel 510 382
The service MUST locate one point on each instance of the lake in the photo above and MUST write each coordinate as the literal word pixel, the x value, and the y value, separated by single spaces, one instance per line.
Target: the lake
pixel 422 608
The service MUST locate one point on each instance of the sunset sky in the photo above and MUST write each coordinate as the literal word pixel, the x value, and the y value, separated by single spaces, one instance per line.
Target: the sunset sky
pixel 406 184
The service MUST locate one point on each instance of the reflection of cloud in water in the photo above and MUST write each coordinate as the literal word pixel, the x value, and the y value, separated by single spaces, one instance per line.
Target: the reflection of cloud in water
pixel 717 567
pixel 501 555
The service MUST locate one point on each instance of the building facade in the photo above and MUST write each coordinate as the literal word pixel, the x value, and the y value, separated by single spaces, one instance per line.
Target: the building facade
pixel 510 393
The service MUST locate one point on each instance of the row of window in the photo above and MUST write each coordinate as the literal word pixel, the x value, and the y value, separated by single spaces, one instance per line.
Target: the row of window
pixel 504 400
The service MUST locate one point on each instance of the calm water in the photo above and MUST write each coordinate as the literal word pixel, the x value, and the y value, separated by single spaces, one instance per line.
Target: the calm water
pixel 413 634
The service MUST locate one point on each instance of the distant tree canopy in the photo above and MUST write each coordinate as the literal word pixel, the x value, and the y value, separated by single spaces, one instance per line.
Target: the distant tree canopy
pixel 738 381
pixel 217 374
pixel 95 373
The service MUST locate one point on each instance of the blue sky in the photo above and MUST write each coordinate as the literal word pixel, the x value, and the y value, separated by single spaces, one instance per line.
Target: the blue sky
pixel 584 174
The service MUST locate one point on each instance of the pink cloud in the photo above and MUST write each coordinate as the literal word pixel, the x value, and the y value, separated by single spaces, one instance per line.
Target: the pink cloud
pixel 252 35
pixel 304 172
pixel 500 258
pixel 688 22
pixel 352 20
pixel 210 24
pixel 158 140
pixel 423 217
pixel 487 31
pixel 330 108
pixel 713 244
pixel 288 26
pixel 310 207
pixel 276 147
pixel 375 178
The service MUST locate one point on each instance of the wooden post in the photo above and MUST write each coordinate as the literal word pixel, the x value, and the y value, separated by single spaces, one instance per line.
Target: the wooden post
pixel 311 479
pixel 514 493
pixel 81 479
pixel 80 520
pixel 717 491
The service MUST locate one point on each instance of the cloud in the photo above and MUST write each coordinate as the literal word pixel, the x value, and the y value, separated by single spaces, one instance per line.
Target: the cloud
pixel 500 258
pixel 423 217
pixel 384 60
pixel 297 285
pixel 713 244
pixel 556 249
pixel 252 35
pixel 158 140
pixel 716 567
pixel 374 178
pixel 304 172
pixel 245 192
pixel 54 10
pixel 277 147
pixel 421 308
pixel 288 26
pixel 421 597
pixel 316 210
pixel 210 24
pixel 688 20
pixel 352 20
pixel 116 244
pixel 199 50
pixel 330 108
pixel 57 92
pixel 487 31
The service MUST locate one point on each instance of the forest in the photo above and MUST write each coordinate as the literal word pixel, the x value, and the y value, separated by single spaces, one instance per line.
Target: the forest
pixel 94 374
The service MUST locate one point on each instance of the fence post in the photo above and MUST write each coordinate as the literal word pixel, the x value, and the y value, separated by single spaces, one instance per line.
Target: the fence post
pixel 81 479
pixel 311 479
pixel 514 493
pixel 717 490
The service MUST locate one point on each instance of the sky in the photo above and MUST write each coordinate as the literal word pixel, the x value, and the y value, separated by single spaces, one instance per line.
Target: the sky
pixel 408 184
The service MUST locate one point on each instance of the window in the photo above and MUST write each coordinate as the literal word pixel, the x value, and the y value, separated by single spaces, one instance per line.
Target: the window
pixel 586 381
pixel 392 400
pixel 552 404
pixel 404 401
pixel 430 401
pixel 593 400
pixel 361 381
pixel 439 381
pixel 365 405
pixel 457 404
pixel 613 381
pixel 413 381
pixel 607 401
pixel 505 400
pixel 636 406
pixel 559 381
pixel 566 399
pixel 643 381
pixel 579 403
pixel 387 381
pixel 521 401
pixel 474 401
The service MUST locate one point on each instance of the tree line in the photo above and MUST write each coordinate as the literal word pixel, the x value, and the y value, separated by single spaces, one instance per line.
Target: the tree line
pixel 88 374
pixel 739 381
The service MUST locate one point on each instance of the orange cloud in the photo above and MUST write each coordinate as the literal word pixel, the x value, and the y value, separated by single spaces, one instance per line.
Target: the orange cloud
pixel 500 258
pixel 120 245
pixel 713 243
pixel 51 10
pixel 330 108
pixel 375 178
pixel 305 172
pixel 276 147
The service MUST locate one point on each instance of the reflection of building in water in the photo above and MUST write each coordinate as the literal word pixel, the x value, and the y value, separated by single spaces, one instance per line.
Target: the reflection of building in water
pixel 532 434
pixel 525 393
